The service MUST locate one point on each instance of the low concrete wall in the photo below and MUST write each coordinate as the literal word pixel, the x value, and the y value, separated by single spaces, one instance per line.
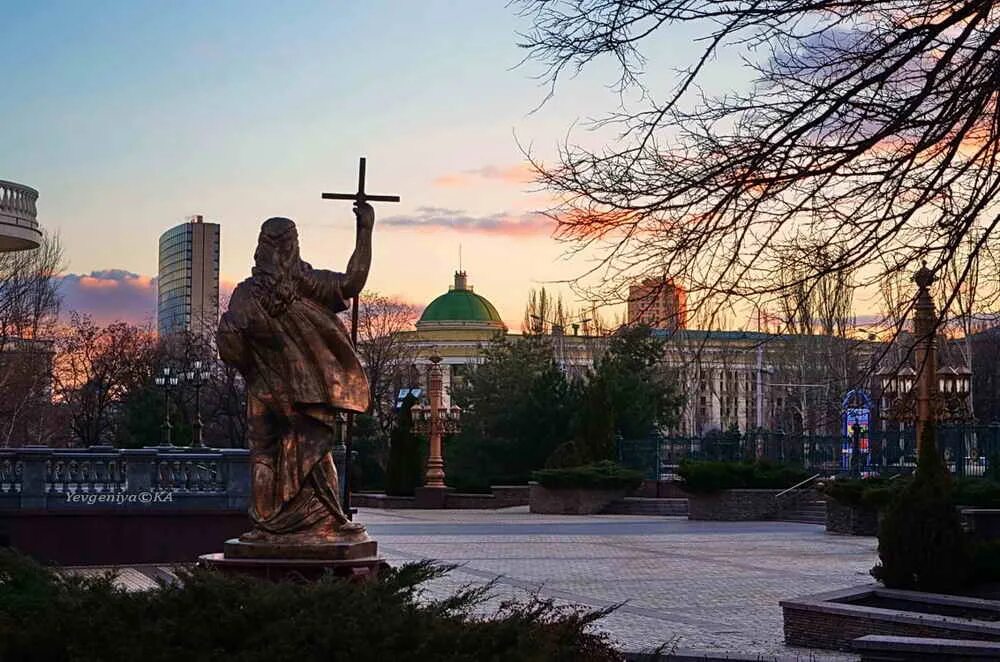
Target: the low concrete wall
pixel 734 505
pixel 379 500
pixel 573 501
pixel 884 648
pixel 851 520
pixel 983 523
pixel 508 496
pixel 105 536
pixel 503 496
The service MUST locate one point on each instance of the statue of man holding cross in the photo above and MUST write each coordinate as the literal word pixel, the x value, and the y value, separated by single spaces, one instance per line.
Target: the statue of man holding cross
pixel 283 333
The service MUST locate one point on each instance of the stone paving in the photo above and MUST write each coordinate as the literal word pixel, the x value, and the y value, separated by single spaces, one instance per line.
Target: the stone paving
pixel 706 586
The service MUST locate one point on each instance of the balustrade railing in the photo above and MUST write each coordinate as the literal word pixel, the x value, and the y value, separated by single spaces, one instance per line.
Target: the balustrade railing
pixel 42 477
pixel 18 225
pixel 17 204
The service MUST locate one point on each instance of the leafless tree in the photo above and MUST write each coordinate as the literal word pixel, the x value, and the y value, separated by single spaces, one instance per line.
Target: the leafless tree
pixel 386 354
pixel 29 310
pixel 29 290
pixel 222 395
pixel 96 368
pixel 868 128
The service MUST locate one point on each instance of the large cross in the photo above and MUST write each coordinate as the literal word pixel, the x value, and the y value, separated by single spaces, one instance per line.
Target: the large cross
pixel 361 196
pixel 358 197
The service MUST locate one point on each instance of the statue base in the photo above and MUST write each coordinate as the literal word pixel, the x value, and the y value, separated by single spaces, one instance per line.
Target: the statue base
pixel 235 548
pixel 297 561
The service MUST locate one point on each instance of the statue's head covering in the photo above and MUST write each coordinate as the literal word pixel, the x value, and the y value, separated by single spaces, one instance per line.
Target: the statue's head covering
pixel 277 265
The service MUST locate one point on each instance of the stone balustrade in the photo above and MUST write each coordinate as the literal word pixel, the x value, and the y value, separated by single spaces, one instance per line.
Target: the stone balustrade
pixel 36 477
pixel 18 217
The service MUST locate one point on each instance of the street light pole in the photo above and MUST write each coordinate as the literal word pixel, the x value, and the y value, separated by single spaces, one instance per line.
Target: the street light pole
pixel 925 330
pixel 197 378
pixel 166 382
pixel 435 460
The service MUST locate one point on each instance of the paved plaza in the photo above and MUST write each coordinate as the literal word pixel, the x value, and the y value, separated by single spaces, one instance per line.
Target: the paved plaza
pixel 704 585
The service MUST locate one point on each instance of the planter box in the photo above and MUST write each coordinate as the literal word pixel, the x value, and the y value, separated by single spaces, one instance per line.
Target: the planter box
pixel 834 620
pixel 734 505
pixel 982 524
pixel 851 520
pixel 570 501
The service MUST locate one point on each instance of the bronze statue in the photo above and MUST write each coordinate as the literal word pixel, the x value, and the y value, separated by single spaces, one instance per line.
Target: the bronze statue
pixel 283 333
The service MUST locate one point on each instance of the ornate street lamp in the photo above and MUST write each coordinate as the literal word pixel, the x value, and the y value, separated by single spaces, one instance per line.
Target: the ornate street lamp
pixel 928 393
pixel 898 397
pixel 166 381
pixel 435 420
pixel 197 378
pixel 952 402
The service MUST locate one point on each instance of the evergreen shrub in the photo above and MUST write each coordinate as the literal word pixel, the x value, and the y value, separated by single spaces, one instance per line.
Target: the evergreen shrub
pixel 605 475
pixel 403 473
pixel 210 617
pixel 921 544
pixel 702 476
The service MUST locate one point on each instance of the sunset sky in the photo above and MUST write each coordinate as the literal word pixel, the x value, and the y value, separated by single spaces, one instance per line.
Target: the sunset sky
pixel 130 116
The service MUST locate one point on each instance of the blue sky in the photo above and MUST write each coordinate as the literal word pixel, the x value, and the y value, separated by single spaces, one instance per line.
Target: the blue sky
pixel 130 116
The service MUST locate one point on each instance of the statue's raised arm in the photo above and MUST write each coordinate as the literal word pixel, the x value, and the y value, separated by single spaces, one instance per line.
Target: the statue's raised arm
pixel 361 259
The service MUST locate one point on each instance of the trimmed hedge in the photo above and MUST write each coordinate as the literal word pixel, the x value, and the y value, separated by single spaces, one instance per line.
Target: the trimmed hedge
pixel 879 492
pixel 604 475
pixel 864 492
pixel 976 492
pixel 214 618
pixel 706 476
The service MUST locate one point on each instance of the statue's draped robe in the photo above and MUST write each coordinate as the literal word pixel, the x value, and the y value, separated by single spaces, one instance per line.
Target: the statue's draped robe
pixel 300 369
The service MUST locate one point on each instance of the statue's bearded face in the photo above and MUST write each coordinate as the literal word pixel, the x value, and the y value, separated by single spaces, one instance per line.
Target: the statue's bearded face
pixel 277 265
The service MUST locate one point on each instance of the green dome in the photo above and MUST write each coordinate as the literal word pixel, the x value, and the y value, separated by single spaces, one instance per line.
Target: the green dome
pixel 461 305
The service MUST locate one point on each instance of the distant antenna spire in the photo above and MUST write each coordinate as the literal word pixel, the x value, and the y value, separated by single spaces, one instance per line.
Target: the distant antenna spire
pixel 459 256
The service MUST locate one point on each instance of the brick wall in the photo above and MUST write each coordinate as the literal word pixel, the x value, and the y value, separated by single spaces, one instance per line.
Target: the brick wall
pixel 570 501
pixel 734 505
pixel 819 629
pixel 851 520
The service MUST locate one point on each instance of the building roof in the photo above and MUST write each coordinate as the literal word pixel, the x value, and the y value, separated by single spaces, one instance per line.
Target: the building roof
pixel 461 304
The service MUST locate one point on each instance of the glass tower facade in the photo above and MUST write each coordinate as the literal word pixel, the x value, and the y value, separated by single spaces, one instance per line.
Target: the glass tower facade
pixel 188 280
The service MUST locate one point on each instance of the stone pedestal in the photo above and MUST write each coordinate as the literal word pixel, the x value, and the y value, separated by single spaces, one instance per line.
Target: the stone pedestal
pixel 297 561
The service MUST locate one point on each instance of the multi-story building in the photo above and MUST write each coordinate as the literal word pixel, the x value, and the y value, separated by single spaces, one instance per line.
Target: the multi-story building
pixel 730 379
pixel 658 303
pixel 188 281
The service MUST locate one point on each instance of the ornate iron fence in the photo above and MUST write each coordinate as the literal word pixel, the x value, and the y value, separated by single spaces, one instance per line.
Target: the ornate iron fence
pixel 967 451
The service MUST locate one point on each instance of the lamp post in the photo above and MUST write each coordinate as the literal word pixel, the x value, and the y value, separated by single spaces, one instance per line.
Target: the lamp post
pixel 197 378
pixel 166 381
pixel 435 420
pixel 929 393
pixel 925 351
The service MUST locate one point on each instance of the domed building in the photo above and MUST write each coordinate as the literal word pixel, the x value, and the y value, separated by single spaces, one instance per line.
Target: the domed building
pixel 454 326
pixel 461 309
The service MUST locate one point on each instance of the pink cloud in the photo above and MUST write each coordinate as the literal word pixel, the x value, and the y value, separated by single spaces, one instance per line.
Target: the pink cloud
pixel 110 295
pixel 503 223
pixel 521 173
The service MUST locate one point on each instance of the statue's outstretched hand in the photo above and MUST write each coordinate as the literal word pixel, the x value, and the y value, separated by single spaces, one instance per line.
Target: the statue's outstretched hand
pixel 365 215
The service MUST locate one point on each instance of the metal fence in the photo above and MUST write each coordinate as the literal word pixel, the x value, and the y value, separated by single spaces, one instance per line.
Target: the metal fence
pixel 967 451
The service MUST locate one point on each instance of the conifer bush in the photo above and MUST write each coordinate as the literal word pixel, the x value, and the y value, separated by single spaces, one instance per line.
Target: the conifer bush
pixel 403 473
pixel 211 617
pixel 604 475
pixel 703 477
pixel 921 544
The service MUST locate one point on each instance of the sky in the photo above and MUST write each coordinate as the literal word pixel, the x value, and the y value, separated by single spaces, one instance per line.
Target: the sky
pixel 130 116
